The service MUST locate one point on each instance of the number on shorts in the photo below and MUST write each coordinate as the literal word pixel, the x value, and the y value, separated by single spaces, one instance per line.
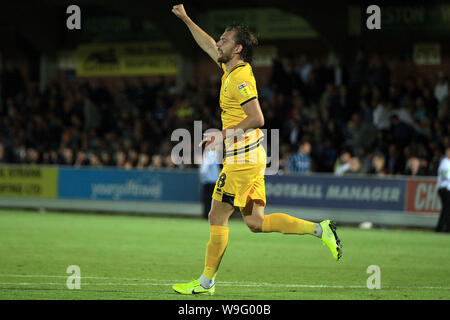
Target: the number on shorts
pixel 221 181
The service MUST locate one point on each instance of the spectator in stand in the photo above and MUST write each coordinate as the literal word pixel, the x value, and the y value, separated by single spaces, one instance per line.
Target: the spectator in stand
pixel 431 103
pixel 342 164
pixel 382 115
pixel 157 162
pixel 144 161
pixel 91 114
pixel 394 161
pixel 82 159
pixel 68 157
pixel 358 70
pixel 377 73
pixel 364 111
pixel 94 160
pixel 400 132
pixel 32 156
pixel 361 134
pixel 441 87
pixel 338 73
pixel 355 166
pixel 121 158
pixel 170 164
pixel 300 162
pixel 414 168
pixel 133 158
pixel 285 155
pixel 292 131
pixel 105 158
pixel 378 165
pixel 304 68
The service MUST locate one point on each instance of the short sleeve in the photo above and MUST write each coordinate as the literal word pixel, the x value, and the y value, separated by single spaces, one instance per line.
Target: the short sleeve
pixel 243 88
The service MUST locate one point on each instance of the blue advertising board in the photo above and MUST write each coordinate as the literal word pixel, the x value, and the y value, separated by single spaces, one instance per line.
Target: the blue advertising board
pixel 128 185
pixel 336 192
pixel 316 191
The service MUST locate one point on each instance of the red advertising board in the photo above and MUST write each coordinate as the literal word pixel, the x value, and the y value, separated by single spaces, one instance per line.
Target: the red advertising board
pixel 422 197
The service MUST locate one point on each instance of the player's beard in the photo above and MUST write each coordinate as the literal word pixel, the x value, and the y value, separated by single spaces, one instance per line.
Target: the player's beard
pixel 226 56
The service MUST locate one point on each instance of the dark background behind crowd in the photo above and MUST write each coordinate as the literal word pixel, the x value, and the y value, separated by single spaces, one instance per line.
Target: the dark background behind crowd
pixel 334 116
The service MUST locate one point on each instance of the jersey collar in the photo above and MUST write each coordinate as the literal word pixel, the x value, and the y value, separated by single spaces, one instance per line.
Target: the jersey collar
pixel 237 66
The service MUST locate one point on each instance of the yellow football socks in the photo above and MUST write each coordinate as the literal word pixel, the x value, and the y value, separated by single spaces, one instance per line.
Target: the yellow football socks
pixel 284 223
pixel 218 240
pixel 275 222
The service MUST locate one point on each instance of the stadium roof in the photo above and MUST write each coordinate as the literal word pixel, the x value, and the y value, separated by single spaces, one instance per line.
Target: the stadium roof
pixel 40 25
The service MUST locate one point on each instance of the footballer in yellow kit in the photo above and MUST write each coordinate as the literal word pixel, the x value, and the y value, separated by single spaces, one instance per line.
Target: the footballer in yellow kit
pixel 244 160
pixel 241 182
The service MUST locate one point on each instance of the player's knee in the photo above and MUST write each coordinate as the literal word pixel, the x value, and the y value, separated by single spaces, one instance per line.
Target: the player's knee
pixel 255 229
pixel 218 217
pixel 213 217
pixel 255 225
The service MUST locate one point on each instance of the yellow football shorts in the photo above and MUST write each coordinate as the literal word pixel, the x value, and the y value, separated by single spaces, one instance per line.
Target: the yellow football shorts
pixel 240 182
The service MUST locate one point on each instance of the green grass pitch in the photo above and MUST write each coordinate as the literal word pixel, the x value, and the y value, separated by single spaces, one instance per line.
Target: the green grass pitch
pixel 137 257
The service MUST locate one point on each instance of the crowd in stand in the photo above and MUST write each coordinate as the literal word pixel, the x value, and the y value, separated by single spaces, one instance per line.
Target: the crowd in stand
pixel 341 118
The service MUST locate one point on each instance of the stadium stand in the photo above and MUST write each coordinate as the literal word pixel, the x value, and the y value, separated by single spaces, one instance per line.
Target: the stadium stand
pixel 384 127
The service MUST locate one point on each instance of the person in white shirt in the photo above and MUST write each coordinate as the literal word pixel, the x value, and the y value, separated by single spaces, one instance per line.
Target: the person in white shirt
pixel 342 165
pixel 382 116
pixel 441 88
pixel 443 185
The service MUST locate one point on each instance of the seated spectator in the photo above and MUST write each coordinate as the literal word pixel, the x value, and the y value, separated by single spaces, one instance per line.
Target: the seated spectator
pixel 441 87
pixel 355 166
pixel 94 160
pixel 32 156
pixel 168 161
pixel 133 157
pixel 68 157
pixel 121 158
pixel 414 168
pixel 157 162
pixel 144 161
pixel 105 158
pixel 81 159
pixel 342 165
pixel 300 162
pixel 285 155
pixel 378 165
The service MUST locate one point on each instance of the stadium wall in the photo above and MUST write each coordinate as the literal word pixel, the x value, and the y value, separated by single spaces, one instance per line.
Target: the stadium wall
pixel 400 201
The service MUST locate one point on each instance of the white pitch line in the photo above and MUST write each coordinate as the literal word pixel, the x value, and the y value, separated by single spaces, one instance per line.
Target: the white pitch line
pixel 164 282
pixel 169 282
pixel 85 277
pixel 229 285
pixel 83 284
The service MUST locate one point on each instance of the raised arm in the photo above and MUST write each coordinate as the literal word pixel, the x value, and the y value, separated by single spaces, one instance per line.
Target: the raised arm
pixel 204 40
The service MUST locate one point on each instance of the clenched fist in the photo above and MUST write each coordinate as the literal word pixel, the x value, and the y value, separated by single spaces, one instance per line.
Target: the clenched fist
pixel 179 11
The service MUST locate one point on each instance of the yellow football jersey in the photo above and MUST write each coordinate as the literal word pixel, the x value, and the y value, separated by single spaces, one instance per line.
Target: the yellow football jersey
pixel 238 87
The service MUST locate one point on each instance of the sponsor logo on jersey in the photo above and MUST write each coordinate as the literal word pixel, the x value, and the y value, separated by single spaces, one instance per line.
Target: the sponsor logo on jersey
pixel 244 89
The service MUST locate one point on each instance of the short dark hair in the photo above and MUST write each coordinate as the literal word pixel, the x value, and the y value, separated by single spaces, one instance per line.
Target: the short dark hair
pixel 244 37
